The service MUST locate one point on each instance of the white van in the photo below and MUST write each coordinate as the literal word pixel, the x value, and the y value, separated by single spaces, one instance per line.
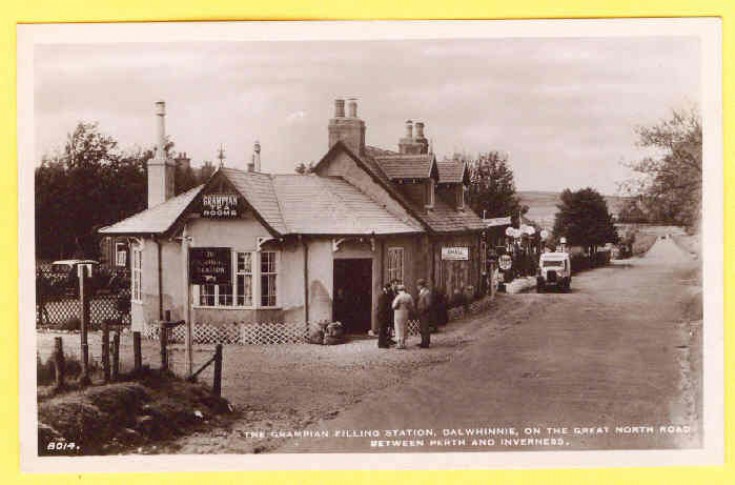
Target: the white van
pixel 555 269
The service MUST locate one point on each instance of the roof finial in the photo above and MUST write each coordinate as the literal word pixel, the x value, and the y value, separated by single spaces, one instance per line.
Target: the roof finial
pixel 221 155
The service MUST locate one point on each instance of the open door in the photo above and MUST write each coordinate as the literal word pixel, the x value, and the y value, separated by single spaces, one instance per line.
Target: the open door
pixel 352 297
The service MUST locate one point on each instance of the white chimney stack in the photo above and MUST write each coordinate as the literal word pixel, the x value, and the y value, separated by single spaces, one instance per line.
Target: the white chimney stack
pixel 161 170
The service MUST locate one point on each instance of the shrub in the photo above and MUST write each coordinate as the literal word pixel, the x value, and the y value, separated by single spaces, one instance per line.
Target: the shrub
pixel 71 324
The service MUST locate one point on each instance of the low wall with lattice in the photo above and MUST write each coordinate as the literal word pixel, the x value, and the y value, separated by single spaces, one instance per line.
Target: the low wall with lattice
pixel 261 333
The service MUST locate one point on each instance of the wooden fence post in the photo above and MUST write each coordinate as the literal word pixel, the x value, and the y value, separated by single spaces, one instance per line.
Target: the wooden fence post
pixel 163 337
pixel 84 301
pixel 59 363
pixel 217 387
pixel 106 351
pixel 137 354
pixel 116 356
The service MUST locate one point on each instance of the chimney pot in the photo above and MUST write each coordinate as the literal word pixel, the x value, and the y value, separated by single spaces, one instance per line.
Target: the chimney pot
pixel 419 129
pixel 160 169
pixel 409 129
pixel 352 107
pixel 339 108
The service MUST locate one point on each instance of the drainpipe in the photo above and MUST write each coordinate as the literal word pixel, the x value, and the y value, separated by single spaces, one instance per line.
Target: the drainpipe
pixel 382 264
pixel 160 281
pixel 306 281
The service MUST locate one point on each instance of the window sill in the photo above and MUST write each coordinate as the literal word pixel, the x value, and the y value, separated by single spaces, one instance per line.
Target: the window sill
pixel 232 307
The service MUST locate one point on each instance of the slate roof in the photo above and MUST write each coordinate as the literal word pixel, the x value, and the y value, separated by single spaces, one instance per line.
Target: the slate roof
pixel 443 217
pixel 158 219
pixel 289 204
pixel 398 167
pixel 329 205
pixel 450 171
pixel 257 189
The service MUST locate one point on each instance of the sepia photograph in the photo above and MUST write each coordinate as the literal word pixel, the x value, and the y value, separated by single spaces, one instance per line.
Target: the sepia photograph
pixel 378 244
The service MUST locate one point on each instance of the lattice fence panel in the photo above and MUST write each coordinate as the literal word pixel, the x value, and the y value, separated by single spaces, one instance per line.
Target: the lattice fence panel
pixel 227 333
pixel 273 333
pixel 150 331
pixel 413 327
pixel 57 298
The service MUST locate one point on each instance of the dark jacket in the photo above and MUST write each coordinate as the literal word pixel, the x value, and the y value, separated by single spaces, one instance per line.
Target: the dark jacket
pixel 385 312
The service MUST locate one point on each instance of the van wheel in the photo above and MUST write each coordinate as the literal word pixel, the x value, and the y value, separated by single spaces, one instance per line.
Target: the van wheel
pixel 540 288
pixel 566 286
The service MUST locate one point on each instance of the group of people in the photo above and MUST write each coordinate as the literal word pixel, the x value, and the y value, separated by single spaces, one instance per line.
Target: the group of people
pixel 396 306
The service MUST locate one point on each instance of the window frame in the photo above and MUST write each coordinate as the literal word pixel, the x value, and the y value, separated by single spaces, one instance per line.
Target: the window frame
pixel 255 284
pixel 136 274
pixel 391 271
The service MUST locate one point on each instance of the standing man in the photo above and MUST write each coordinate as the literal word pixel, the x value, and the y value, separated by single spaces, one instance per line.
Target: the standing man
pixel 403 306
pixel 423 306
pixel 385 313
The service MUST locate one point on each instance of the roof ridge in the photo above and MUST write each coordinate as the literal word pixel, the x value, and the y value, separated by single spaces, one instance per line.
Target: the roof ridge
pixel 271 178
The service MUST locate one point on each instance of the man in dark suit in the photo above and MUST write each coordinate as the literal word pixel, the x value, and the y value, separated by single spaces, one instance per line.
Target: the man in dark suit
pixel 424 307
pixel 385 316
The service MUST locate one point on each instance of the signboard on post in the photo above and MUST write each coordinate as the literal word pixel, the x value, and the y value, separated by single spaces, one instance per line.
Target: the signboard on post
pixel 220 206
pixel 497 221
pixel 455 253
pixel 505 262
pixel 210 266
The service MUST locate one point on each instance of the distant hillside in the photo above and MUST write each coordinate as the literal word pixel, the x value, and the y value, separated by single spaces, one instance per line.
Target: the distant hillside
pixel 542 205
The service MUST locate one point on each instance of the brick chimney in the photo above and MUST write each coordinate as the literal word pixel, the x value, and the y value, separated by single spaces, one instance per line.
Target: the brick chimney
pixel 161 169
pixel 420 138
pixel 410 144
pixel 348 129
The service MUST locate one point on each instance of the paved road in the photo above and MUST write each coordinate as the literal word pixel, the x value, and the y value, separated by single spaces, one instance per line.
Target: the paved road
pixel 621 350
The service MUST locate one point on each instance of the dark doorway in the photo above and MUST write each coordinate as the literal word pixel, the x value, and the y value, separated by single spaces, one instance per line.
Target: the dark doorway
pixel 352 297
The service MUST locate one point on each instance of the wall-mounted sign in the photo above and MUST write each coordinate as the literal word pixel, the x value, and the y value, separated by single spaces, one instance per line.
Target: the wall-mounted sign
pixel 210 266
pixel 456 253
pixel 497 221
pixel 220 206
pixel 505 262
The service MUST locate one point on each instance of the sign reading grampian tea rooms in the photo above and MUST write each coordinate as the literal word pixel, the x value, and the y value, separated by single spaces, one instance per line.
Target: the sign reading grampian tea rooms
pixel 220 206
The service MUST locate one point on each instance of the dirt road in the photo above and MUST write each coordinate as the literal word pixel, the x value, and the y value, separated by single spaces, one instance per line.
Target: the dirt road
pixel 622 349
pixel 613 364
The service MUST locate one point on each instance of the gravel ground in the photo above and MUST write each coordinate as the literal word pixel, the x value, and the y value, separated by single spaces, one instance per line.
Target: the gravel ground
pixel 290 386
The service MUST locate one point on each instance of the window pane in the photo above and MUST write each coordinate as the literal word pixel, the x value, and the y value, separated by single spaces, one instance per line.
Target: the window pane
pixel 244 290
pixel 267 262
pixel 268 290
pixel 225 295
pixel 244 263
pixel 206 295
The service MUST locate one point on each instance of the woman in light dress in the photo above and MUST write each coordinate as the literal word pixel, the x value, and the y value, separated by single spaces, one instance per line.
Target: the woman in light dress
pixel 403 307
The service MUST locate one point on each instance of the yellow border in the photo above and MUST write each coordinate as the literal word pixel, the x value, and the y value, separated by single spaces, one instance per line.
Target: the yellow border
pixel 32 11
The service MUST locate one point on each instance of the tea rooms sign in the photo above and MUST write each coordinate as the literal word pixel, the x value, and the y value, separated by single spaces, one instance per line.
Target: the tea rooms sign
pixel 220 206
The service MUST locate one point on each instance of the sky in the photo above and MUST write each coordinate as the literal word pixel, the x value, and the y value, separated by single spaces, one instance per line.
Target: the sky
pixel 563 109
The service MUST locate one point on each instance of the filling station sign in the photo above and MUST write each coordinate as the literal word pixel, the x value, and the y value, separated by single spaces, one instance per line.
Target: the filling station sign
pixel 210 266
pixel 220 206
pixel 456 253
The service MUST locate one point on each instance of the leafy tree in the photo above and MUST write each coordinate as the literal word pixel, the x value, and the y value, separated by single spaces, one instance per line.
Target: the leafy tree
pixel 304 168
pixel 669 181
pixel 583 218
pixel 492 190
pixel 89 185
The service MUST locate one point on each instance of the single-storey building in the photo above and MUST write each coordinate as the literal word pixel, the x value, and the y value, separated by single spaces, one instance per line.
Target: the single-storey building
pixel 254 247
